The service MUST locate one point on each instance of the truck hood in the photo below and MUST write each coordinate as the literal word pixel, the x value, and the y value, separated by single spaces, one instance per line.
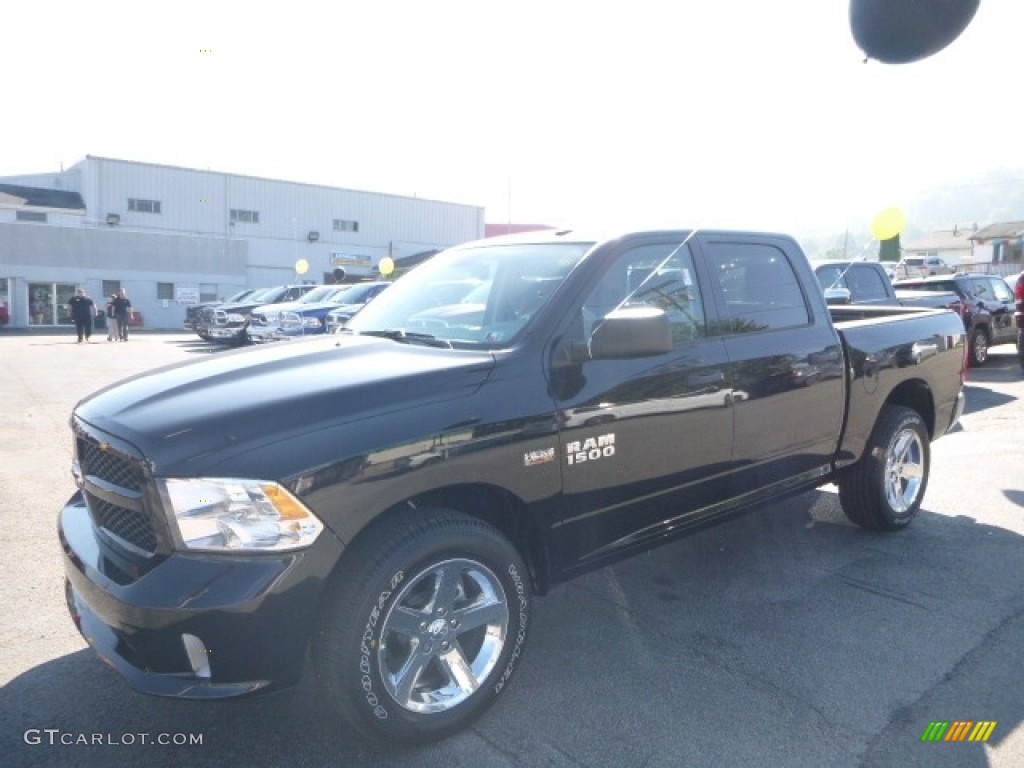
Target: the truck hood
pixel 307 309
pixel 187 418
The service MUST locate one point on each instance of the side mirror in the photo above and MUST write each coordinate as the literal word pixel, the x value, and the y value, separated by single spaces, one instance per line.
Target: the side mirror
pixel 838 296
pixel 625 333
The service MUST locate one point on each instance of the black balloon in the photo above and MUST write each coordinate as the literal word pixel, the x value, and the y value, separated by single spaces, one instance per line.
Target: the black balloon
pixel 901 31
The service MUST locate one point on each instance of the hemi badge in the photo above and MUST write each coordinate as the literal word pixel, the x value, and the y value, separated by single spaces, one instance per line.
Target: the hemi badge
pixel 538 457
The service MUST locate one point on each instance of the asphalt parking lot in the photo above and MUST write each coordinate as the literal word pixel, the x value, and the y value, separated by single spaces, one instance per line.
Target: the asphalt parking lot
pixel 786 637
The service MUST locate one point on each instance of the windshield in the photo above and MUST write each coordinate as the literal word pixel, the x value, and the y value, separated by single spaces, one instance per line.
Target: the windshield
pixel 318 295
pixel 479 295
pixel 258 294
pixel 357 294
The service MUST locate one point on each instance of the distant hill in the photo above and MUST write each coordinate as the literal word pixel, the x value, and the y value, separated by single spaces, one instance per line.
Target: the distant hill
pixel 985 199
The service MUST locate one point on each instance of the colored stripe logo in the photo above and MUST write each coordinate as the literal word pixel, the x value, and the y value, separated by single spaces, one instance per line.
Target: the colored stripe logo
pixel 959 730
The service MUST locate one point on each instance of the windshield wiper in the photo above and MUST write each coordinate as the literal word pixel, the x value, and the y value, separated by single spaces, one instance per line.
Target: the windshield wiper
pixel 408 337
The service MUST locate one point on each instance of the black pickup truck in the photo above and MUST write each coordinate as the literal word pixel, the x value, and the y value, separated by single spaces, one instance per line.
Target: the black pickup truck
pixel 387 501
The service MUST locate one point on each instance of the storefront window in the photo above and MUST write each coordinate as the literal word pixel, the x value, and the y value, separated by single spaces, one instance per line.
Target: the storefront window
pixel 48 303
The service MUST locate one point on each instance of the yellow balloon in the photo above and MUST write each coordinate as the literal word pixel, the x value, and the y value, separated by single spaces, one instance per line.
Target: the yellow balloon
pixel 386 266
pixel 301 266
pixel 888 223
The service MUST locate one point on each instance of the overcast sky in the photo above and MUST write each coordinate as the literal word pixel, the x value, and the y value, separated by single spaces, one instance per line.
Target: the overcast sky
pixel 738 113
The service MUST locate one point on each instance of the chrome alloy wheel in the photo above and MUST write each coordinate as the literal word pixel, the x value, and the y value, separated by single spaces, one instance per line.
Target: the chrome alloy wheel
pixel 904 470
pixel 443 635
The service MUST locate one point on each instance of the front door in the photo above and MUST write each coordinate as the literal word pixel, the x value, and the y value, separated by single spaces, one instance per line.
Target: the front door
pixel 641 439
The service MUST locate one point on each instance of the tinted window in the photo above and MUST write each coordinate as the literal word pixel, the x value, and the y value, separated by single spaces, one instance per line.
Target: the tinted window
pixel 658 275
pixel 936 285
pixel 760 288
pixel 866 283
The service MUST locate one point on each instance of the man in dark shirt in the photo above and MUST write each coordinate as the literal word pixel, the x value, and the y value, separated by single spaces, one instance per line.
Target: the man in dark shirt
pixel 122 308
pixel 82 310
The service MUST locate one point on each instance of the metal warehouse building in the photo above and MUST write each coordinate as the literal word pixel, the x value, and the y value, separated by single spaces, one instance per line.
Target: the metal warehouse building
pixel 172 236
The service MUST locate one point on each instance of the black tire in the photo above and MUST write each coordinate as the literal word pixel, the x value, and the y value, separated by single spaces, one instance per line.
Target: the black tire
pixel 979 347
pixel 884 490
pixel 423 626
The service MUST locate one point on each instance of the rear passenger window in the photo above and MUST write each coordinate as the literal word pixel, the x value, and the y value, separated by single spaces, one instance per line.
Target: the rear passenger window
pixel 760 288
pixel 866 284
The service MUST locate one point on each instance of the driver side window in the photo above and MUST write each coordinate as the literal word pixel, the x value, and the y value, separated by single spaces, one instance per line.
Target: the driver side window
pixel 658 275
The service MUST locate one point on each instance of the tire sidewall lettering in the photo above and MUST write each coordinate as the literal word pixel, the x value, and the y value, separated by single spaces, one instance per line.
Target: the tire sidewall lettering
pixel 368 644
pixel 521 597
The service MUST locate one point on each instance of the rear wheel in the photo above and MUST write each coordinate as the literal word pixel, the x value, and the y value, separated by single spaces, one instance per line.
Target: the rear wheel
pixel 979 347
pixel 424 625
pixel 884 490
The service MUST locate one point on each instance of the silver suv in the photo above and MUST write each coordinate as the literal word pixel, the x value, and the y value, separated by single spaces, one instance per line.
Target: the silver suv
pixel 921 266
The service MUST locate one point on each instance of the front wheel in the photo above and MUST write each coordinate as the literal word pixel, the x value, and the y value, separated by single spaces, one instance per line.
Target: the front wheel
pixel 424 624
pixel 884 490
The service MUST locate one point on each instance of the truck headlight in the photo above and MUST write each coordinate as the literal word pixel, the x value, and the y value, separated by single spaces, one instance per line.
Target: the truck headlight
pixel 311 322
pixel 232 514
pixel 234 317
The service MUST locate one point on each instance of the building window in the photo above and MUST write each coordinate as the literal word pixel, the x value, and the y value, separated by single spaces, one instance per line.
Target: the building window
pixel 248 217
pixel 207 291
pixel 31 216
pixel 111 287
pixel 143 206
pixel 165 291
pixel 343 225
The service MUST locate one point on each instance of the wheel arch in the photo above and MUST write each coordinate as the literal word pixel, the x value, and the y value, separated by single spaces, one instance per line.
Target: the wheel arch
pixel 498 507
pixel 917 396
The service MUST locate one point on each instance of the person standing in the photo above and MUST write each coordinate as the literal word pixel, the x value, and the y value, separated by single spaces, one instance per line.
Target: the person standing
pixel 82 311
pixel 112 332
pixel 122 308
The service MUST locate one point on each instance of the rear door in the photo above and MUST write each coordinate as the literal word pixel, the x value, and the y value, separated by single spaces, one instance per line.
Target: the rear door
pixel 783 356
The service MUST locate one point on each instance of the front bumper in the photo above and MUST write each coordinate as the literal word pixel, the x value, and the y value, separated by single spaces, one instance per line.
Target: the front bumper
pixel 248 619
pixel 261 334
pixel 227 333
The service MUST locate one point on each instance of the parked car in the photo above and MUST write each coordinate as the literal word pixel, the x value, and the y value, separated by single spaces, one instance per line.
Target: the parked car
pixel 193 312
pixel 921 266
pixel 984 302
pixel 386 504
pixel 355 298
pixel 229 323
pixel 265 321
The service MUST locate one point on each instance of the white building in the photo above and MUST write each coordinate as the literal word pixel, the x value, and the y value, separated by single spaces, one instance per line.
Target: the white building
pixel 172 236
pixel 996 248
